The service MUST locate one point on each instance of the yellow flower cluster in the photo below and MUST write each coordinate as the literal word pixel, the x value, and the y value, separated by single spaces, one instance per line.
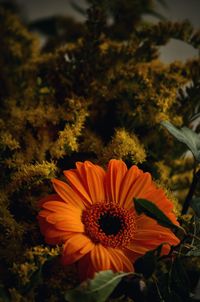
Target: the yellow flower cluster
pixel 67 141
pixel 41 253
pixel 35 258
pixel 124 145
pixel 33 173
pixel 25 271
pixel 7 140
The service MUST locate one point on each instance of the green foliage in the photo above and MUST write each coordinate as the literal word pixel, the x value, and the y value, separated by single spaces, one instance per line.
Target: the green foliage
pixel 97 289
pixel 146 264
pixel 186 136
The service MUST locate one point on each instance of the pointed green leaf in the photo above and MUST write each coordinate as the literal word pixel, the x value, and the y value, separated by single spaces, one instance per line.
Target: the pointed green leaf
pixel 97 289
pixel 186 136
pixel 150 209
pixel 146 264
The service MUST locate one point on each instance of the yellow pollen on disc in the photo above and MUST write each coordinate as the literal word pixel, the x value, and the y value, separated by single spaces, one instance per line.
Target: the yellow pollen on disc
pixel 109 224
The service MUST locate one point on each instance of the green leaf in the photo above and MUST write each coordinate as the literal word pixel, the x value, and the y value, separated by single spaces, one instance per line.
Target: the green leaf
pixel 146 264
pixel 150 209
pixel 97 289
pixel 195 204
pixel 186 136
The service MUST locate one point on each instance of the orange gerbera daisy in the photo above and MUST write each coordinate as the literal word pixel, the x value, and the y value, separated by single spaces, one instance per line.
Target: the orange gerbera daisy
pixel 94 216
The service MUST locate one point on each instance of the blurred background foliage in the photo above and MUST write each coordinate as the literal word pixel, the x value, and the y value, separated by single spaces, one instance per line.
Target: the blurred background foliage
pixel 92 91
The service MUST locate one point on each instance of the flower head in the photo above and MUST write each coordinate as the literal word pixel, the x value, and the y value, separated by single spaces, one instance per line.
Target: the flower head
pixel 93 215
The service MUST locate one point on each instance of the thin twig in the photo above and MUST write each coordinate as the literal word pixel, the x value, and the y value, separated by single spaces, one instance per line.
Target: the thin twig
pixel 194 236
pixel 158 290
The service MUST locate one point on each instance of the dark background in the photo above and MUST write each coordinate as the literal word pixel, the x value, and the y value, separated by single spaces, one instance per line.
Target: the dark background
pixel 175 10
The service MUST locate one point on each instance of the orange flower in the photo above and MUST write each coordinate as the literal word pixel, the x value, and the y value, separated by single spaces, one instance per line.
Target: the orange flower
pixel 94 216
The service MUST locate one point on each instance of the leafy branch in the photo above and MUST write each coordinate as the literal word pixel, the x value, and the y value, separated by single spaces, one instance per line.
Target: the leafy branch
pixel 192 140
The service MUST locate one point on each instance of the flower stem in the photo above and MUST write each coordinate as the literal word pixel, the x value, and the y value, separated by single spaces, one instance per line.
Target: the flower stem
pixel 157 288
pixel 196 178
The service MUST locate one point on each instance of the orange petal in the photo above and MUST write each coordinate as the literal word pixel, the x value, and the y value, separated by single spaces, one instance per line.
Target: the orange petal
pixel 172 217
pixel 157 196
pixel 149 239
pixel 105 258
pixel 70 223
pixel 137 249
pixel 127 265
pixel 75 248
pixel 114 177
pixel 143 248
pixel 131 255
pixel 145 222
pixel 52 235
pixel 48 198
pixel 56 206
pixel 139 188
pixel 78 186
pixel 70 226
pixel 115 260
pixel 85 268
pixel 67 193
pixel 52 217
pixel 100 258
pixel 65 217
pixel 130 178
pixel 157 235
pixel 93 178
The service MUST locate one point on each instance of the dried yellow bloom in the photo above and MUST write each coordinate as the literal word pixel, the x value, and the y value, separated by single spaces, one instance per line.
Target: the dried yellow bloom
pixel 68 138
pixel 25 271
pixel 124 145
pixel 8 140
pixel 31 174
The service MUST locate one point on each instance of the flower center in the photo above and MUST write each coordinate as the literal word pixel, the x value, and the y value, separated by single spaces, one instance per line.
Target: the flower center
pixel 108 224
